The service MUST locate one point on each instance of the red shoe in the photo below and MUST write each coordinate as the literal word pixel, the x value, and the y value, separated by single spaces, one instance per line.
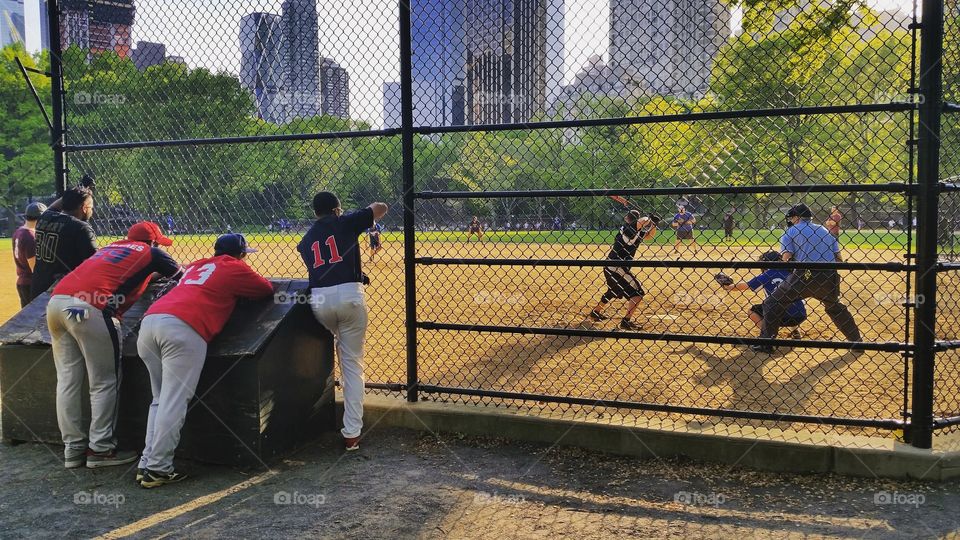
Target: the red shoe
pixel 351 443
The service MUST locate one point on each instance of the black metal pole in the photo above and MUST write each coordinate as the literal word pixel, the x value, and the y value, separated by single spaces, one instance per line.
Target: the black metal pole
pixel 406 143
pixel 57 141
pixel 928 171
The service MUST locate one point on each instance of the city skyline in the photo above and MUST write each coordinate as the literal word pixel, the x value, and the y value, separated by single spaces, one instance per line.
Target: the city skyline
pixel 361 35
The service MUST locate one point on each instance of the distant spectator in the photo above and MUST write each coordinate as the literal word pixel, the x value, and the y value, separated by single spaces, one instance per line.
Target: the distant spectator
pixel 860 224
pixel 25 250
pixel 728 225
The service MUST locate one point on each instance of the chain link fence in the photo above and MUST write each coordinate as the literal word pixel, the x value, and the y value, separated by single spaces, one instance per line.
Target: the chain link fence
pixel 535 127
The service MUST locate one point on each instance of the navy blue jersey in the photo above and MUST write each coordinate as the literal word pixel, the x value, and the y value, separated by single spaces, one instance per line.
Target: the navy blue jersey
pixel 330 249
pixel 770 280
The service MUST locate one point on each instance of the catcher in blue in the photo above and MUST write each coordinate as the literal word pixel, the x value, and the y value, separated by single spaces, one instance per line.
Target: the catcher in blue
pixel 621 283
pixel 769 280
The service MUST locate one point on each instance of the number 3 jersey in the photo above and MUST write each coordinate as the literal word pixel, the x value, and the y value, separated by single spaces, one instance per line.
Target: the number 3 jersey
pixel 330 249
pixel 208 292
pixel 116 275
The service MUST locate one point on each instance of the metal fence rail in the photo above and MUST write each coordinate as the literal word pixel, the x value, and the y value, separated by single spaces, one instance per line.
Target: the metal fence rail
pixel 511 171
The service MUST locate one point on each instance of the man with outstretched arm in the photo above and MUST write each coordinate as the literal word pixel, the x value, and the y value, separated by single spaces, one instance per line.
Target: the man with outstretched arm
pixel 331 252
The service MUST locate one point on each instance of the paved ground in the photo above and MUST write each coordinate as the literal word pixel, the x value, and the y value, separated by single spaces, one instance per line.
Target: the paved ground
pixel 406 484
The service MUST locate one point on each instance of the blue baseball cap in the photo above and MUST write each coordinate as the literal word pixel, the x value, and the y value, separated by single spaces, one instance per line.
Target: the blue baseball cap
pixel 231 244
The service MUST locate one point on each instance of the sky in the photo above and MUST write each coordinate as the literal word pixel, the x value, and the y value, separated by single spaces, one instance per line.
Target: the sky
pixel 361 35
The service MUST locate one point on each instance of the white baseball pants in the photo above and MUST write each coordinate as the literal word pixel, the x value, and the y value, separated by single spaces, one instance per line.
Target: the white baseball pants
pixel 85 341
pixel 342 309
pixel 174 354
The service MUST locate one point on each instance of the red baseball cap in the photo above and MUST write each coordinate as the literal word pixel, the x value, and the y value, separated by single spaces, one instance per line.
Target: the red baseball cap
pixel 149 232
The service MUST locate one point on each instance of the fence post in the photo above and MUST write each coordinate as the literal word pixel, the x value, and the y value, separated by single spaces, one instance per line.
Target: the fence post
pixel 409 248
pixel 928 177
pixel 57 141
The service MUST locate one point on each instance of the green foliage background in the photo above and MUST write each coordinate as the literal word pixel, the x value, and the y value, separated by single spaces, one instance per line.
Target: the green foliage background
pixel 826 57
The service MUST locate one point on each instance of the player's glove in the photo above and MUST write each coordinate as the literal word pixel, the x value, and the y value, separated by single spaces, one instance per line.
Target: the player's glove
pixel 723 280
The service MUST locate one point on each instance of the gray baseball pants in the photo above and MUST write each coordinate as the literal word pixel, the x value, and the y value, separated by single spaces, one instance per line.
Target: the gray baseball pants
pixel 174 354
pixel 85 342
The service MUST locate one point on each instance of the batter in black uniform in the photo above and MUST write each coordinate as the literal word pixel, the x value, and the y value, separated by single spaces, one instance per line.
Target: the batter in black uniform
pixel 621 283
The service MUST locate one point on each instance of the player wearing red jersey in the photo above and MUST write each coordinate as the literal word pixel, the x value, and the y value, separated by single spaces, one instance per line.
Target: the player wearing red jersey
pixel 83 318
pixel 173 345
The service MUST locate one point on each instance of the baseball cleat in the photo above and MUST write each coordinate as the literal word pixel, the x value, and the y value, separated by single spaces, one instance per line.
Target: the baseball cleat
pixel 795 334
pixel 768 349
pixel 152 479
pixel 630 325
pixel 95 460
pixel 75 459
pixel 597 316
pixel 351 443
pixel 140 474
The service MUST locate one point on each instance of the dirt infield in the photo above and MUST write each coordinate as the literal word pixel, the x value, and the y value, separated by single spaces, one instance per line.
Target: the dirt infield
pixel 800 381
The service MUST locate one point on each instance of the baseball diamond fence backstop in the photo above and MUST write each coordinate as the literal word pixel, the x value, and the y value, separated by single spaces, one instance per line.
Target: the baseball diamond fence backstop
pixel 529 115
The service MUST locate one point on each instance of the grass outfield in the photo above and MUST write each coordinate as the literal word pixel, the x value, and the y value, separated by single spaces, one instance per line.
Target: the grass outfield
pixel 876 239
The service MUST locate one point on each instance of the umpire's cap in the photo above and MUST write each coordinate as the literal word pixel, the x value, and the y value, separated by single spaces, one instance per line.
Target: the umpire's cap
pixel 770 256
pixel 324 203
pixel 34 210
pixel 231 244
pixel 801 211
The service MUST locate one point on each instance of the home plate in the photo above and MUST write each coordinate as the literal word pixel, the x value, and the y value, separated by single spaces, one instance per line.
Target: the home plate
pixel 663 317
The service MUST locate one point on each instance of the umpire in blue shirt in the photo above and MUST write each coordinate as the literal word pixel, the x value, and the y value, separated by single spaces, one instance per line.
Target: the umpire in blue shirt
pixel 805 241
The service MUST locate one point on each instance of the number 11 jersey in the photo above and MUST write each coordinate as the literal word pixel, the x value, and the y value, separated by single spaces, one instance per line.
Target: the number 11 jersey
pixel 330 249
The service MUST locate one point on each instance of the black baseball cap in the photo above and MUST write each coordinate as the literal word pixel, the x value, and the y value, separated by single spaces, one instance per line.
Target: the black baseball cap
pixel 231 244
pixel 35 210
pixel 770 256
pixel 325 202
pixel 633 216
pixel 800 210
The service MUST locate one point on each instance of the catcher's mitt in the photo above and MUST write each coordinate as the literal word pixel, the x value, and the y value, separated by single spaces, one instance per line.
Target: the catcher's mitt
pixel 723 280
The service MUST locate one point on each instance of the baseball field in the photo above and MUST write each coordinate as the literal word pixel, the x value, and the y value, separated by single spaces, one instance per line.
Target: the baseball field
pixel 798 380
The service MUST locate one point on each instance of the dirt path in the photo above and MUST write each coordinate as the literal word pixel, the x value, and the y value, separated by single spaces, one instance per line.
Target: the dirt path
pixel 405 484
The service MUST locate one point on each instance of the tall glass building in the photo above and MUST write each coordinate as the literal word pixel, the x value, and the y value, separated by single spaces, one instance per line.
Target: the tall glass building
pixel 438 40
pixel 514 59
pixel 11 22
pixel 261 63
pixel 485 61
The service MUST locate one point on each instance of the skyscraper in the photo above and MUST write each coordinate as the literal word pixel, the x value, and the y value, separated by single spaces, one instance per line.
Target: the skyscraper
pixel 439 61
pixel 98 25
pixel 11 22
pixel 514 54
pixel 44 26
pixel 300 51
pixel 668 45
pixel 334 89
pixel 391 105
pixel 148 54
pixel 261 64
